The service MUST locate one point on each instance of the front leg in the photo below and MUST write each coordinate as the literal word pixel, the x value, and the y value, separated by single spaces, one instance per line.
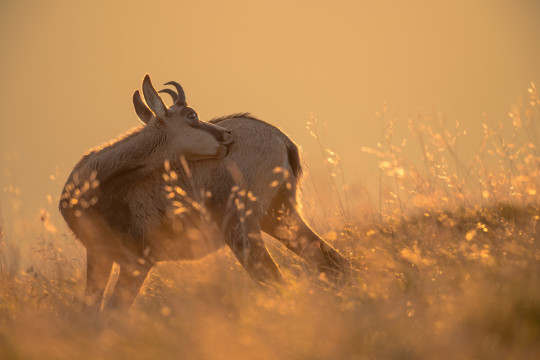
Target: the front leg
pixel 130 280
pixel 246 243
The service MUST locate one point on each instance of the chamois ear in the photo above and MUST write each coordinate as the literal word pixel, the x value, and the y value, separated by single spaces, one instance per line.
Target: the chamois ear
pixel 152 98
pixel 143 112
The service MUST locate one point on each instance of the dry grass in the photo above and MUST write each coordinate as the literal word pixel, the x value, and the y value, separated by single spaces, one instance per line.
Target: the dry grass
pixel 448 267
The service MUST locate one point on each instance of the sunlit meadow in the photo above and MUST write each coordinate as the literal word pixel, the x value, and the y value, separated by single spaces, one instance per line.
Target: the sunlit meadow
pixel 445 250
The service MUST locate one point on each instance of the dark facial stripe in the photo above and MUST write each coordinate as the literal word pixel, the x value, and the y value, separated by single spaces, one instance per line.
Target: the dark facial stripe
pixel 218 134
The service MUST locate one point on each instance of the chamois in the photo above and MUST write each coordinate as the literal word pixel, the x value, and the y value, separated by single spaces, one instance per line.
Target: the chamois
pixel 179 188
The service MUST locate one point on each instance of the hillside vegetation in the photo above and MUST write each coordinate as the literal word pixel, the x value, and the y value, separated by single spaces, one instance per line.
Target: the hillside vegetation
pixel 446 253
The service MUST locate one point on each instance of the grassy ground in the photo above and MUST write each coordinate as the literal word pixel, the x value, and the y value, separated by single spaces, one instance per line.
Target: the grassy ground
pixel 447 260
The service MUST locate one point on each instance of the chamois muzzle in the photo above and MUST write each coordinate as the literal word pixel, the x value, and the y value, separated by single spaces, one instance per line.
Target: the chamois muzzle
pixel 227 138
pixel 223 136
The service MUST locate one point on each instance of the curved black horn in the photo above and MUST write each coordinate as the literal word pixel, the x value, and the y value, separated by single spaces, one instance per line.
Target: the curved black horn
pixel 170 92
pixel 181 96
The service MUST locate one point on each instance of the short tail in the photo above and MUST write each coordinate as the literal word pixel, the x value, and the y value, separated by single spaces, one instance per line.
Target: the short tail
pixel 293 155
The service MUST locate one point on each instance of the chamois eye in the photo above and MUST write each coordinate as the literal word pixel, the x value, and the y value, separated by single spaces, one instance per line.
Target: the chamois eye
pixel 192 116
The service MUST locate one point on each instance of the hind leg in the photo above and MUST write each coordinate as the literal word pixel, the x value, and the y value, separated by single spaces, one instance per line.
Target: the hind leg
pixel 245 240
pixel 284 223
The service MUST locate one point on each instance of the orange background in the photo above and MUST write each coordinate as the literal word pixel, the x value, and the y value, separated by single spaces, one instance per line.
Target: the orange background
pixel 68 70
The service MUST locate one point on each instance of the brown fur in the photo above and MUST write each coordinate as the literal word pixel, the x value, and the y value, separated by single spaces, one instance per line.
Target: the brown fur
pixel 142 216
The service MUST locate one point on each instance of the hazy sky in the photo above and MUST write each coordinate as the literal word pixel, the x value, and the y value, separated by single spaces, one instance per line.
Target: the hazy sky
pixel 69 68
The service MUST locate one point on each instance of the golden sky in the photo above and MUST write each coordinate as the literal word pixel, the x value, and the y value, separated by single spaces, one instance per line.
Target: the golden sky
pixel 69 68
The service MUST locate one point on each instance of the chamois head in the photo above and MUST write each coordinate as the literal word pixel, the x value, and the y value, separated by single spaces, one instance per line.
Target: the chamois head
pixel 191 137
